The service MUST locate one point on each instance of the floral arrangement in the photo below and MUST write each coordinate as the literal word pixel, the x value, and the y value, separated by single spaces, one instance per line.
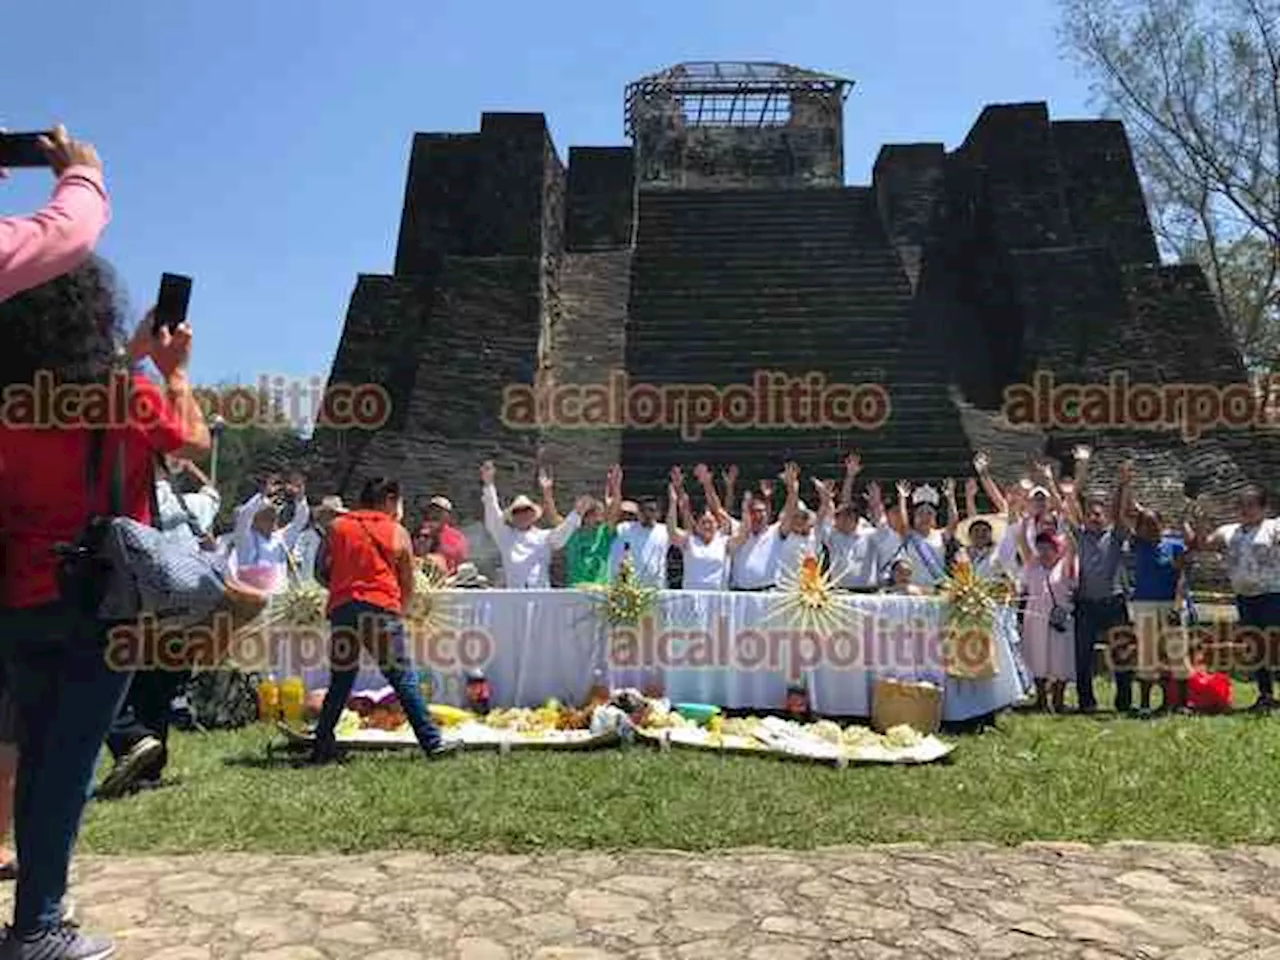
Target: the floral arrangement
pixel 971 607
pixel 625 602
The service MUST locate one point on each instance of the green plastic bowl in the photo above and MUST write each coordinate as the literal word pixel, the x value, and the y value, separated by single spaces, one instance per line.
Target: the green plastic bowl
pixel 697 712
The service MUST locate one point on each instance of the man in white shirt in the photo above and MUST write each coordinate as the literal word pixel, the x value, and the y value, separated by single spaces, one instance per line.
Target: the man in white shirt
pixel 525 548
pixel 647 542
pixel 1251 548
pixel 262 548
pixel 754 561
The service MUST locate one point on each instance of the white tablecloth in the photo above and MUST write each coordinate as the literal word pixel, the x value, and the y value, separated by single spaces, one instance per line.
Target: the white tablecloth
pixel 736 650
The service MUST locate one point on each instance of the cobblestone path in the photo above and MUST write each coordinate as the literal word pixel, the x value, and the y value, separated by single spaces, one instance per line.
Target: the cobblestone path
pixel 1050 900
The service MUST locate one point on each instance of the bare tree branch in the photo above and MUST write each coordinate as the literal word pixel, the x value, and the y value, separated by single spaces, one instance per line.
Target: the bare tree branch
pixel 1197 83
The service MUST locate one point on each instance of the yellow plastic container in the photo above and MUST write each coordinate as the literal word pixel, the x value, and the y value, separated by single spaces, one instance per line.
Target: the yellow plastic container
pixel 293 698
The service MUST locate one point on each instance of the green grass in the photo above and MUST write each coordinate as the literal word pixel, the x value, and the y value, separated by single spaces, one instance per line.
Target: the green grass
pixel 1209 780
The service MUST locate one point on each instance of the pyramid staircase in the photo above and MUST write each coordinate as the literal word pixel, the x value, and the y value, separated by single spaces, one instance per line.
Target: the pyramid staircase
pixel 794 281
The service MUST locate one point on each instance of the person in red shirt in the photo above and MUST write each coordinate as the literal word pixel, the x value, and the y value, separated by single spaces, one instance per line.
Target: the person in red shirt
pixel 367 562
pixel 438 537
pixel 62 343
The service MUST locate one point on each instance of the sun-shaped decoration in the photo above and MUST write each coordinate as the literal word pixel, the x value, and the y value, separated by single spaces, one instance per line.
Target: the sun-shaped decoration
pixel 809 600
pixel 625 602
pixel 428 611
pixel 971 610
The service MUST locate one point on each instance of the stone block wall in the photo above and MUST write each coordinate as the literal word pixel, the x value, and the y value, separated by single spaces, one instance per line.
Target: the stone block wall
pixel 587 347
pixel 1011 149
pixel 478 195
pixel 1100 185
pixel 806 152
pixel 600 206
pixel 910 184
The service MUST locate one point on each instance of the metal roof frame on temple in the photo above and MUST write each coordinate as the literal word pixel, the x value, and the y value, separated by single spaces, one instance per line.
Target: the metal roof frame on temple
pixel 737 94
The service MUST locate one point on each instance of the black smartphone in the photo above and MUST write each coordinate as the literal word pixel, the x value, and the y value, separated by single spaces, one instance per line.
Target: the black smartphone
pixel 172 302
pixel 1192 486
pixel 23 150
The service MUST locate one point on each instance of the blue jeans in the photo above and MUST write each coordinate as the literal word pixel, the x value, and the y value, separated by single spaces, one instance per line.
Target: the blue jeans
pixel 66 695
pixel 357 626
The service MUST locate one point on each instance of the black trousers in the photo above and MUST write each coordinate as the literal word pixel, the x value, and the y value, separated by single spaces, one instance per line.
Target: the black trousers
pixel 1095 619
pixel 145 711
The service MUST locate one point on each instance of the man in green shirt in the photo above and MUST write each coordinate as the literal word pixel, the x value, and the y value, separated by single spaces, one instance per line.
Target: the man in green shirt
pixel 587 550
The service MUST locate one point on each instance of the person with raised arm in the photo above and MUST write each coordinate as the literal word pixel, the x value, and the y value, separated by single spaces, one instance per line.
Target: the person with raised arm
pixel 1158 604
pixel 703 541
pixel 1048 632
pixel 1101 610
pixel 524 546
pixel 920 539
pixel 1251 547
pixel 753 560
pixel 988 544
pixel 647 542
pixel 797 533
pixel 53 646
pixel 857 546
pixel 264 548
pixel 59 237
pixel 587 550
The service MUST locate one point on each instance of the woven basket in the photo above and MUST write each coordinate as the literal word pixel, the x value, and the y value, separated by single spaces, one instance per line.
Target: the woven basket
pixel 894 703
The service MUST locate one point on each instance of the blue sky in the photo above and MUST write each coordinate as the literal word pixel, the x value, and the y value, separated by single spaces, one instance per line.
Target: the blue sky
pixel 261 145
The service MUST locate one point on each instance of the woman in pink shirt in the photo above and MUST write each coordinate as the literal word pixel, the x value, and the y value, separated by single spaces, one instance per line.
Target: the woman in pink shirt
pixel 59 237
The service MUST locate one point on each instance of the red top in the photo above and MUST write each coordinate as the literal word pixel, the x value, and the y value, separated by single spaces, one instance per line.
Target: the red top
pixel 363 547
pixel 43 500
pixel 451 544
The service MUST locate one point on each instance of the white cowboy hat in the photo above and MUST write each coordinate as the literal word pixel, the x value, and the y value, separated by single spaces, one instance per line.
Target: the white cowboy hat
pixel 629 508
pixel 444 503
pixel 995 521
pixel 523 503
pixel 330 505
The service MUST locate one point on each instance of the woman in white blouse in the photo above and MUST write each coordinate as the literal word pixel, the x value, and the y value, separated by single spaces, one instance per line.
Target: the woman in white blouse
pixel 704 542
pixel 921 540
pixel 525 547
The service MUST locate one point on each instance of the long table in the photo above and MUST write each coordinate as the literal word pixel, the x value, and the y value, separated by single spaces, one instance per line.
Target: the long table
pixel 736 650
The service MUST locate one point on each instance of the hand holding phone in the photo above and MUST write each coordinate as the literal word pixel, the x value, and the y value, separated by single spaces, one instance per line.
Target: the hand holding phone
pixel 26 150
pixel 53 149
pixel 172 302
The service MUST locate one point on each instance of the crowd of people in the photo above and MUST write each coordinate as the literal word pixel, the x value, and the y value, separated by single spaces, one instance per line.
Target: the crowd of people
pixel 1084 562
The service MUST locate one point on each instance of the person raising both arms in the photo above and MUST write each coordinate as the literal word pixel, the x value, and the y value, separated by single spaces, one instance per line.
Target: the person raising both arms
pixel 60 236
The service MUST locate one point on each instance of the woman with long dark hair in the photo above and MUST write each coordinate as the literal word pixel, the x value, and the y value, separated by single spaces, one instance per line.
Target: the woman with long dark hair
pixel 367 561
pixel 63 340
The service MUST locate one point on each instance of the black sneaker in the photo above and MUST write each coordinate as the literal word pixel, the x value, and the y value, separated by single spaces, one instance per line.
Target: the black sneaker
pixel 445 748
pixel 63 942
pixel 1264 705
pixel 143 759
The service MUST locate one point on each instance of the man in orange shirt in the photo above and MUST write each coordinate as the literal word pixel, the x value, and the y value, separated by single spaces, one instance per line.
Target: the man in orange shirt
pixel 367 562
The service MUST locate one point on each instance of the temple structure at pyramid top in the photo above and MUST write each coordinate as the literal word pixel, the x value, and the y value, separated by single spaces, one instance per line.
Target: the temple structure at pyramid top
pixel 737 124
